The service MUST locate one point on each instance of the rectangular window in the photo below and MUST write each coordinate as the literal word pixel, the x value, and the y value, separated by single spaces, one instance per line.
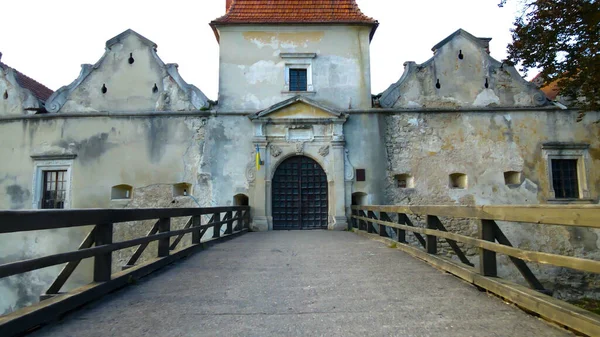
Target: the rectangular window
pixel 54 189
pixel 564 178
pixel 298 80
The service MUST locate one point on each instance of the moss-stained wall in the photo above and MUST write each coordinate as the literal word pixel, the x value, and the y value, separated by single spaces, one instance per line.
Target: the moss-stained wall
pixel 483 145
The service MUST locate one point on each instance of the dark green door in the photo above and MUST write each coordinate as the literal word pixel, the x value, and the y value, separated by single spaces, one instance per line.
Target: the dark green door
pixel 299 195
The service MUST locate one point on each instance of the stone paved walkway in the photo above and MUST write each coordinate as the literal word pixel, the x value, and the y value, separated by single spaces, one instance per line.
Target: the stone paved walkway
pixel 314 283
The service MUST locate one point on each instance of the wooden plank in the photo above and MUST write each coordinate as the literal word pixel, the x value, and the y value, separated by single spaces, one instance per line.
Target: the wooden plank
pixel 459 253
pixel 30 220
pixel 25 319
pixel 487 258
pixel 164 226
pixel 382 228
pixel 103 262
pixel 431 239
pixel 180 236
pixel 229 228
pixel 217 225
pixel 528 275
pixel 526 255
pixel 401 233
pixel 554 310
pixel 196 222
pixel 567 215
pixel 370 227
pixel 138 252
pixel 68 270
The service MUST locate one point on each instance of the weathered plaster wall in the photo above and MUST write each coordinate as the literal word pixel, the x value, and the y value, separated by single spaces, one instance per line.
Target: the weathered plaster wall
pixel 252 72
pixel 484 145
pixel 15 100
pixel 149 153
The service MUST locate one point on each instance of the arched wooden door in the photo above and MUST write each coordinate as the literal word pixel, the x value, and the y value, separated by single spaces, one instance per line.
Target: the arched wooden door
pixel 299 195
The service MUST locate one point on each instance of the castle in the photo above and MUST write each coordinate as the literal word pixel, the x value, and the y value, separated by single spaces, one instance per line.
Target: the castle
pixel 296 132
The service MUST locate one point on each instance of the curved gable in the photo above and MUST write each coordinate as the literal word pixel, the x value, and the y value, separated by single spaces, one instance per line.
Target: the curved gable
pixel 461 74
pixel 129 77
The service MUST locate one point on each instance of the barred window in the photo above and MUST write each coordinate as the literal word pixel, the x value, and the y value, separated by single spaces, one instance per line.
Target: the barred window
pixel 54 189
pixel 298 80
pixel 564 178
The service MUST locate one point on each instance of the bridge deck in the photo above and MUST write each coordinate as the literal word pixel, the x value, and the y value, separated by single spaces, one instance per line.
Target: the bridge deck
pixel 300 283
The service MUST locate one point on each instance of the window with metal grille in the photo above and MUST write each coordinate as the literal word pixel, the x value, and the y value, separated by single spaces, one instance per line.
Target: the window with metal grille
pixel 564 178
pixel 298 80
pixel 54 189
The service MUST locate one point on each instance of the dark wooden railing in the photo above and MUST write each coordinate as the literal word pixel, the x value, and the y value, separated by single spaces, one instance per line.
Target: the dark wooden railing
pixel 375 221
pixel 99 245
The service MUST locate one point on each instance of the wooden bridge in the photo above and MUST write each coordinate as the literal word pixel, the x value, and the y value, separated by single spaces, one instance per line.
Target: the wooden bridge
pixel 292 283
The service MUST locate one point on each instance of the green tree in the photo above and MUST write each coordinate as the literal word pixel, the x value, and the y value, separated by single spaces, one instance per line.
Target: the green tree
pixel 562 38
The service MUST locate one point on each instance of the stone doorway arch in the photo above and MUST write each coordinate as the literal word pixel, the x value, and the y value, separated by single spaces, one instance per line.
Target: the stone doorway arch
pixel 300 197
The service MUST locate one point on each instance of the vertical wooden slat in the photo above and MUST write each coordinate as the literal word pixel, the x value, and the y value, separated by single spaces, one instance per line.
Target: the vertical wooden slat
pixel 370 227
pixel 103 262
pixel 382 228
pixel 247 213
pixel 217 228
pixel 401 233
pixel 164 225
pixel 196 222
pixel 229 229
pixel 487 259
pixel 431 240
pixel 239 221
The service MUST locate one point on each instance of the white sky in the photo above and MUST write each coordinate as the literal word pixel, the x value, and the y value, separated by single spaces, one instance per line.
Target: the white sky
pixel 49 40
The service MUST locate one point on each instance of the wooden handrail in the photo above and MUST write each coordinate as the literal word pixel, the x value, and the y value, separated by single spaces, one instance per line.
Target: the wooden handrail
pixel 531 256
pixel 102 236
pixel 571 215
pixel 364 218
pixel 21 221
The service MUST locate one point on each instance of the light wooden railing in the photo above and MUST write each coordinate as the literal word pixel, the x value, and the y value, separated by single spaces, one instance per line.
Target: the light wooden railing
pixel 375 221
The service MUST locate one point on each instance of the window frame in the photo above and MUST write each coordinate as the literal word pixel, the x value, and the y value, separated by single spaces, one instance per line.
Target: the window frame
pixel 54 188
pixel 568 151
pixel 43 164
pixel 299 61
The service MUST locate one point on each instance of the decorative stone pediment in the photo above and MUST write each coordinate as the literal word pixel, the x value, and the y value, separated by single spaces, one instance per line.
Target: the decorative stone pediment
pixel 461 74
pixel 129 77
pixel 299 108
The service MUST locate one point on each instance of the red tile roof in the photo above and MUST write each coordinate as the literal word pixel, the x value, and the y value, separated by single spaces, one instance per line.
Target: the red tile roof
pixel 294 11
pixel 39 90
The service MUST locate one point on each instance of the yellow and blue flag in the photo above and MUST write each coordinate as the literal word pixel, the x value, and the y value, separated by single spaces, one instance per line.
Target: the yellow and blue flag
pixel 257 158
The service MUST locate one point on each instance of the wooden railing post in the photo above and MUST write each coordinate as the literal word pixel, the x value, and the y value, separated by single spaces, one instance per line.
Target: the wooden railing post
pixel 383 228
pixel 487 259
pixel 401 233
pixel 229 229
pixel 431 240
pixel 196 223
pixel 239 222
pixel 370 227
pixel 217 228
pixel 164 225
pixel 103 263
